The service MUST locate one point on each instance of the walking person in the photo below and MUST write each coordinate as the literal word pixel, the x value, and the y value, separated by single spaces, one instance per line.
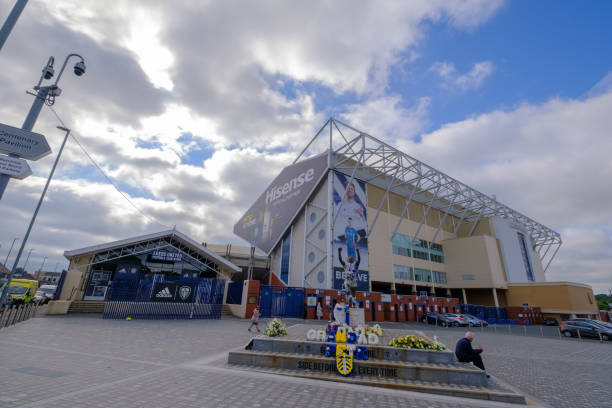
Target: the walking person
pixel 319 310
pixel 255 319
pixel 465 353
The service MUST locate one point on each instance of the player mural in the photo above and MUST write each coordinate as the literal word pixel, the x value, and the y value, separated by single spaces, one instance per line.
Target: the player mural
pixel 350 246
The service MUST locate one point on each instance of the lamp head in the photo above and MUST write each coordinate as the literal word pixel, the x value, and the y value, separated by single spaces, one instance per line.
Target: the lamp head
pixel 48 71
pixel 79 68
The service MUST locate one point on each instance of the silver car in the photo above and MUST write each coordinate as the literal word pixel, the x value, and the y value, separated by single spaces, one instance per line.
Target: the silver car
pixel 473 320
pixel 456 319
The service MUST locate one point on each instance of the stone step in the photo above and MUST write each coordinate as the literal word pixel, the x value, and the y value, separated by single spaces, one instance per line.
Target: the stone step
pixel 492 391
pixel 226 311
pixel 380 352
pixel 84 306
pixel 460 374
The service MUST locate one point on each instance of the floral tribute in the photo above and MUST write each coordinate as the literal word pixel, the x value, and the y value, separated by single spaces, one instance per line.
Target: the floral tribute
pixel 414 342
pixel 275 328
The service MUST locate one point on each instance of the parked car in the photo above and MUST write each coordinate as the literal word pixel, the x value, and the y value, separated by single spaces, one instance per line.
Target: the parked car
pixel 474 321
pixel 45 293
pixel 572 328
pixel 437 318
pixel 456 319
pixel 41 297
pixel 551 321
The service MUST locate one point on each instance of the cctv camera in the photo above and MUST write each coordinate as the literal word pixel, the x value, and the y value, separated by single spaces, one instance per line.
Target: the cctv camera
pixel 79 68
pixel 48 72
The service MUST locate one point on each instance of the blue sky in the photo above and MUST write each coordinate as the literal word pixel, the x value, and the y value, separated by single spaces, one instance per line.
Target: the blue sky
pixel 539 50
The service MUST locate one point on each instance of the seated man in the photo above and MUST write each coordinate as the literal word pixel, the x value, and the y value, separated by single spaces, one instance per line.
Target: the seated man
pixel 465 353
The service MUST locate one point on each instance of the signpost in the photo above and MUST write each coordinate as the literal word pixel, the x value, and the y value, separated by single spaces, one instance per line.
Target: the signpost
pixel 23 143
pixel 14 167
pixel 18 144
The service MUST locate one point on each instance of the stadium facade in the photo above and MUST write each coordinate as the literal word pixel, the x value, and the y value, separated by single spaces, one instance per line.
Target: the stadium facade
pixel 359 205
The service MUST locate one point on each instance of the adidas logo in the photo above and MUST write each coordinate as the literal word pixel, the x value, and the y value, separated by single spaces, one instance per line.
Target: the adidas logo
pixel 165 293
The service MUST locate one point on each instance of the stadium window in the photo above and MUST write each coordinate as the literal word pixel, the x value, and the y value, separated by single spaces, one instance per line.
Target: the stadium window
pixel 439 277
pixel 398 250
pixel 523 245
pixel 402 272
pixel 401 245
pixel 423 244
pixel 436 247
pixel 422 275
pixel 420 255
pixel 436 258
pixel 285 257
pixel 468 277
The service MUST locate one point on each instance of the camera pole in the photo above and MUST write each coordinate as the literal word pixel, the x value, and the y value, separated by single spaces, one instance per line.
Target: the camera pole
pixel 11 20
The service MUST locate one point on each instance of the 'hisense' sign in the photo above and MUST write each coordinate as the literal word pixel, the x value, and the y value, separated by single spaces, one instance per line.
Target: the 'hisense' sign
pixel 268 218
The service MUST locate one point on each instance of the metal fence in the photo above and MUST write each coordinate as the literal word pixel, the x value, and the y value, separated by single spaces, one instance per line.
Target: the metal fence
pixel 18 313
pixel 161 311
pixel 134 299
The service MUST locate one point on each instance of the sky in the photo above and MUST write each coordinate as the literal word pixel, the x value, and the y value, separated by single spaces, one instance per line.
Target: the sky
pixel 193 107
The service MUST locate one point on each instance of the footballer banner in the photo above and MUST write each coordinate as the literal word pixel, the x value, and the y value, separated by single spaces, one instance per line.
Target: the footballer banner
pixel 350 245
pixel 264 223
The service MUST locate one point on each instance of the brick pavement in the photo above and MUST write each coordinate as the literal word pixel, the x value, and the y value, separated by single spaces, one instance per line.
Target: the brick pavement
pixel 558 371
pixel 78 361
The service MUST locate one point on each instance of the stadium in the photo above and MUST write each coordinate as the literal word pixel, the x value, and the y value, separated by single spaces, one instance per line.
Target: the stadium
pixel 352 203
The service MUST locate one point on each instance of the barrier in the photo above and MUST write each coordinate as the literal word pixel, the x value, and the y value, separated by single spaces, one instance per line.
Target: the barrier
pixel 161 311
pixel 134 298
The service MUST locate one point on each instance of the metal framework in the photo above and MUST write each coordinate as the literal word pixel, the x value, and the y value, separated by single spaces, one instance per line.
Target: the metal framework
pixel 142 247
pixel 366 158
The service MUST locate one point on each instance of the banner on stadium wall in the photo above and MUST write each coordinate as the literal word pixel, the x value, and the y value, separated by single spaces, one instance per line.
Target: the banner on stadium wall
pixel 350 245
pixel 264 223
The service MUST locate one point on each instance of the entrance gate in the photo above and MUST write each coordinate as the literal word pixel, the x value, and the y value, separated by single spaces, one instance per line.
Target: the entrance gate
pixel 135 299
pixel 279 301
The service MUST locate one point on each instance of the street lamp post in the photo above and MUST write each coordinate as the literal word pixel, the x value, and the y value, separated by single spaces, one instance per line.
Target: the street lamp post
pixel 11 20
pixel 41 266
pixel 9 252
pixel 44 92
pixel 27 259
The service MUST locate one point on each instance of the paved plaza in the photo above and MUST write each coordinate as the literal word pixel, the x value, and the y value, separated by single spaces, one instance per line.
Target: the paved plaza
pixel 86 361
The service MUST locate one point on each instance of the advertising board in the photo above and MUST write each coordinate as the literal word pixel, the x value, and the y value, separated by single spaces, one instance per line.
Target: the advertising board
pixel 268 218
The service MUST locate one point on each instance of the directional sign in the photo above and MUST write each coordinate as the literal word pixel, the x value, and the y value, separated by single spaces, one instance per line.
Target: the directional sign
pixel 23 143
pixel 14 167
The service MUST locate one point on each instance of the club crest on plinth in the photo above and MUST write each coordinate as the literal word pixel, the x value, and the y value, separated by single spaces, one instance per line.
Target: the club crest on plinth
pixel 344 359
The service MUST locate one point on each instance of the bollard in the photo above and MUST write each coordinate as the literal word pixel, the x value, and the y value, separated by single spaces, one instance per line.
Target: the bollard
pixel 559 330
pixel 579 336
pixel 524 330
pixel 509 330
pixel 600 338
pixel 495 328
pixel 541 332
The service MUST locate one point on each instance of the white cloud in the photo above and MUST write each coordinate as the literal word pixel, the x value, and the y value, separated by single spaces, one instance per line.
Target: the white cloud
pixel 464 82
pixel 222 61
pixel 386 116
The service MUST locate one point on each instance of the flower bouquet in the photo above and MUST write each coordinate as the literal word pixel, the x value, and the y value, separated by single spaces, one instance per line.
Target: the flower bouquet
pixel 414 342
pixel 275 328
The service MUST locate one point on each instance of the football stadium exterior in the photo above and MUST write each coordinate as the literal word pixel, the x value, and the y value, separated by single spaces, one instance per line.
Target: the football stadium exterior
pixel 352 203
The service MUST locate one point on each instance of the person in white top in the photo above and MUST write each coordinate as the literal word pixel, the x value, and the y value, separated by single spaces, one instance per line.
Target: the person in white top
pixel 351 209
